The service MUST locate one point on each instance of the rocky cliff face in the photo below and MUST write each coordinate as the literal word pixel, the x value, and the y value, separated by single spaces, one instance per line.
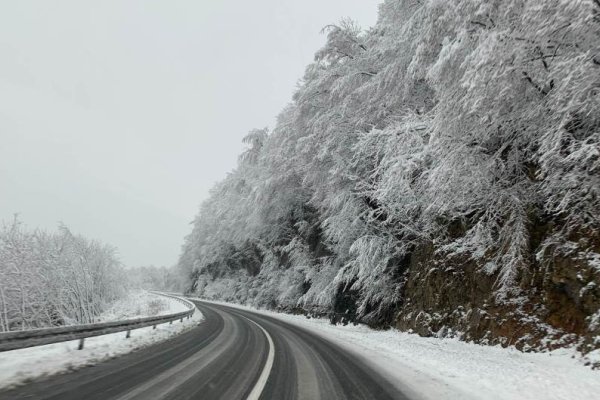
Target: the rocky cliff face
pixel 556 302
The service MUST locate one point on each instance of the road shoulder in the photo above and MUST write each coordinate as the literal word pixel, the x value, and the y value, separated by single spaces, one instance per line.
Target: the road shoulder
pixel 21 366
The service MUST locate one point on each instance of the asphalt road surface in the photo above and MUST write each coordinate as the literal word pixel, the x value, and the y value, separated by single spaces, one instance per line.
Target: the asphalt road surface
pixel 233 354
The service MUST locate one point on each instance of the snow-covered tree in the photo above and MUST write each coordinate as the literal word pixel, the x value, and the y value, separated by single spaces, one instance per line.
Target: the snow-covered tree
pixel 54 278
pixel 461 129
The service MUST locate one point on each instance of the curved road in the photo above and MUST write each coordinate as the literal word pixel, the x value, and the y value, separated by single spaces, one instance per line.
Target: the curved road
pixel 233 354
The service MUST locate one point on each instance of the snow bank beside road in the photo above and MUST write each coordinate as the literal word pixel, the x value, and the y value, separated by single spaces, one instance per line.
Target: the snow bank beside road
pixel 451 369
pixel 20 366
pixel 141 304
pixel 434 368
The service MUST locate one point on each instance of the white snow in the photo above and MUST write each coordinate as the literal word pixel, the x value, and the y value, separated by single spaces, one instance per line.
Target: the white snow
pixel 432 368
pixel 20 366
pixel 140 304
pixel 427 368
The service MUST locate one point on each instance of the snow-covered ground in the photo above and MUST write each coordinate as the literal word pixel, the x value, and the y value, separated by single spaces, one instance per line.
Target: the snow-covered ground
pixel 434 368
pixel 19 366
pixel 140 304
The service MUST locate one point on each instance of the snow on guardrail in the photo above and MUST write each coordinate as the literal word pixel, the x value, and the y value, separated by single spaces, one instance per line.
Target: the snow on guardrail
pixel 37 337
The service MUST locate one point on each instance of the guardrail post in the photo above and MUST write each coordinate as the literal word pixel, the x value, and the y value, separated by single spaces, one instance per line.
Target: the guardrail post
pixel 80 347
pixel 153 326
pixel 181 320
pixel 128 334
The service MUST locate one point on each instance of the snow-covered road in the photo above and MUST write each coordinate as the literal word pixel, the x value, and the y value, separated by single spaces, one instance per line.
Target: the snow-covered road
pixel 225 357
pixel 432 368
pixel 240 353
pixel 450 369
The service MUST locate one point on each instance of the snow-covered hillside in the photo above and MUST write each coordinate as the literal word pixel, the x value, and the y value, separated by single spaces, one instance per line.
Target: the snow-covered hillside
pixel 438 172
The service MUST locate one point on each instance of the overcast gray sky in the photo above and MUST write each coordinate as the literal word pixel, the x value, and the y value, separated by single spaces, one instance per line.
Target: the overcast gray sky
pixel 116 117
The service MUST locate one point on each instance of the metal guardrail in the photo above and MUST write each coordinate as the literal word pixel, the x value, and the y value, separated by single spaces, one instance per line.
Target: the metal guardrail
pixel 37 337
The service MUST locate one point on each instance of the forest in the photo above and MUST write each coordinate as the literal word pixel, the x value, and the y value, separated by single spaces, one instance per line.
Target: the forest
pixel 62 278
pixel 438 172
